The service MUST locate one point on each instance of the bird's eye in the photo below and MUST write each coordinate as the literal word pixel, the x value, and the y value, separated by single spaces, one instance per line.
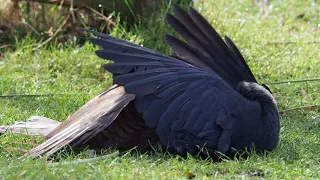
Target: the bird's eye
pixel 267 88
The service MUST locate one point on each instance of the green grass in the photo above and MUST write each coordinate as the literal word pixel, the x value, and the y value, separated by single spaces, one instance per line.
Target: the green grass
pixel 76 73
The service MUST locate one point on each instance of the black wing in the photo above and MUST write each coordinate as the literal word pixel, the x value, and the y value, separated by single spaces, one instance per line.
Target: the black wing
pixel 188 106
pixel 205 48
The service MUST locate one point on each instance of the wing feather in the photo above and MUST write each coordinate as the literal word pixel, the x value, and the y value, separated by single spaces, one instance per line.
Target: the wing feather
pixel 88 121
pixel 223 58
pixel 175 97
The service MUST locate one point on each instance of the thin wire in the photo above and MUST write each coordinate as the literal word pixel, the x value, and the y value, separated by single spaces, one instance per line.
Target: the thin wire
pixel 32 95
pixel 293 81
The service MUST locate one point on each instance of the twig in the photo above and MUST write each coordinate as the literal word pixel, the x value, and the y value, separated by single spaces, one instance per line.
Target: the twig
pixel 72 11
pixel 55 34
pixel 293 81
pixel 81 161
pixel 32 28
pixel 32 95
pixel 61 4
pixel 108 19
pixel 310 107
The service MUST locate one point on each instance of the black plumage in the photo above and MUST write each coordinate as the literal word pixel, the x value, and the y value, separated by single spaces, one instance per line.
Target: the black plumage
pixel 201 100
pixel 209 99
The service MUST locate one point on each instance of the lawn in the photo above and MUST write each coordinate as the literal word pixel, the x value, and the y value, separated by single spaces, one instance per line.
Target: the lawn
pixel 280 42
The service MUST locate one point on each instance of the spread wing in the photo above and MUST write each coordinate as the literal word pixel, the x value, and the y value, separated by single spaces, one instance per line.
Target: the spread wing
pixel 187 106
pixel 205 48
pixel 86 123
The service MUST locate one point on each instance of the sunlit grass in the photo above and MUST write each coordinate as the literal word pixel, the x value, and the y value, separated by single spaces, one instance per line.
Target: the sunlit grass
pixel 279 43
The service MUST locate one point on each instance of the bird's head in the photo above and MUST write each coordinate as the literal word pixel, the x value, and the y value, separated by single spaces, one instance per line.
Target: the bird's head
pixel 259 127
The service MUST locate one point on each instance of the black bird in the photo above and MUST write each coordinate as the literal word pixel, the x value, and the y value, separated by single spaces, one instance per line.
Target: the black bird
pixel 202 100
